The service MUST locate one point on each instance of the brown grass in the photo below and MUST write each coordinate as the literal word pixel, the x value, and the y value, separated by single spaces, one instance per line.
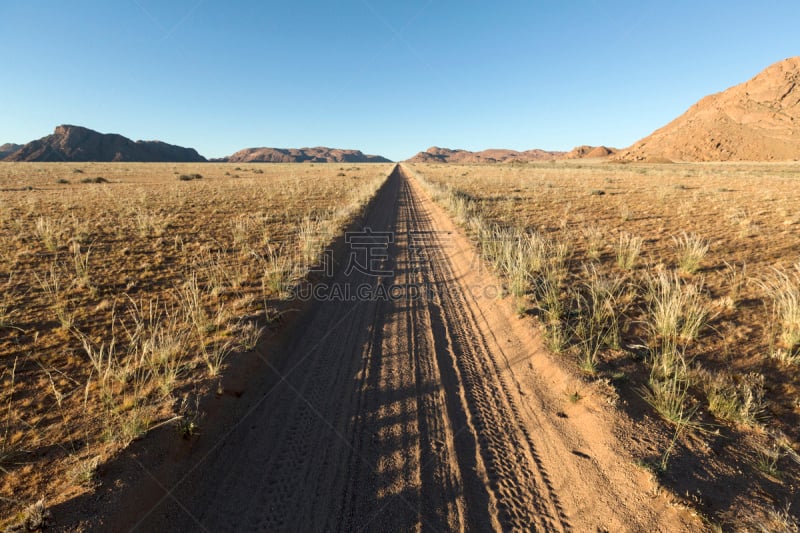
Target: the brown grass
pixel 702 260
pixel 117 297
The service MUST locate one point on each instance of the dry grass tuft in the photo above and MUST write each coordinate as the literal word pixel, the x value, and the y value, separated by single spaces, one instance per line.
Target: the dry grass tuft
pixel 783 293
pixel 691 251
pixel 628 249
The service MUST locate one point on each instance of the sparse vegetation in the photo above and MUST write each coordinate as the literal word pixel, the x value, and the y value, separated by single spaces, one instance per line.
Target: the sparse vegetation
pixel 47 231
pixel 113 305
pixel 35 517
pixel 215 354
pixel 249 335
pixel 676 310
pixel 188 420
pixel 52 286
pixel 766 460
pixel 777 520
pixel 276 276
pixel 81 262
pixel 682 321
pixel 595 241
pixel 735 280
pixel 667 390
pixel 84 472
pixel 9 445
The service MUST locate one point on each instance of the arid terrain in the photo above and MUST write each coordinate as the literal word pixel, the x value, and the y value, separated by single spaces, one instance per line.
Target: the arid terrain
pixel 440 412
pixel 125 291
pixel 173 382
pixel 673 285
pixel 399 267
pixel 70 143
pixel 593 340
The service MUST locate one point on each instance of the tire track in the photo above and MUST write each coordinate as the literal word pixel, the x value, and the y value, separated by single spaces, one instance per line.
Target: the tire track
pixel 407 394
pixel 392 415
pixel 443 503
pixel 282 468
pixel 521 487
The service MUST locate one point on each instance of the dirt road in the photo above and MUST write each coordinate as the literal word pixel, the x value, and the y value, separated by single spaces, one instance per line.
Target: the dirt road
pixel 436 411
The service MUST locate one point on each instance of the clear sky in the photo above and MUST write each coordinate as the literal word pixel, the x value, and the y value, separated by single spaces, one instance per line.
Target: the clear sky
pixel 387 77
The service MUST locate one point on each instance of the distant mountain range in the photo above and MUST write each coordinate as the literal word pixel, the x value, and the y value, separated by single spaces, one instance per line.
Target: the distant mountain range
pixel 447 155
pixel 302 155
pixel 76 143
pixel 758 120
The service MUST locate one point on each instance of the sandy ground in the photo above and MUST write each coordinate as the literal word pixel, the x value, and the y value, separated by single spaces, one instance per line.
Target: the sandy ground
pixel 436 413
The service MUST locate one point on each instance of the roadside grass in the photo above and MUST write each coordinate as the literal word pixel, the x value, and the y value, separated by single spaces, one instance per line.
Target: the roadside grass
pixel 600 306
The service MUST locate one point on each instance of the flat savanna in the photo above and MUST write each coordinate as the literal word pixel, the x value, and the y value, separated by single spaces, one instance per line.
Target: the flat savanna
pixel 126 289
pixel 671 291
pixel 699 265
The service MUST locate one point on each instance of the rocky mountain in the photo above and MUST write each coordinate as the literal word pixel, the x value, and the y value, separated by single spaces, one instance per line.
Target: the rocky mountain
pixel 75 143
pixel 758 120
pixel 301 155
pixel 435 154
pixel 447 155
pixel 8 149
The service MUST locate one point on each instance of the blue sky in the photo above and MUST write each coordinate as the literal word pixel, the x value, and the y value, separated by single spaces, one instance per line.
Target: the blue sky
pixel 387 77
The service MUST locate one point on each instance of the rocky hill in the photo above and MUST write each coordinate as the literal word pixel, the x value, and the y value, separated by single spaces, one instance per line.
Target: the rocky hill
pixel 301 155
pixel 8 149
pixel 758 120
pixel 75 143
pixel 590 152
